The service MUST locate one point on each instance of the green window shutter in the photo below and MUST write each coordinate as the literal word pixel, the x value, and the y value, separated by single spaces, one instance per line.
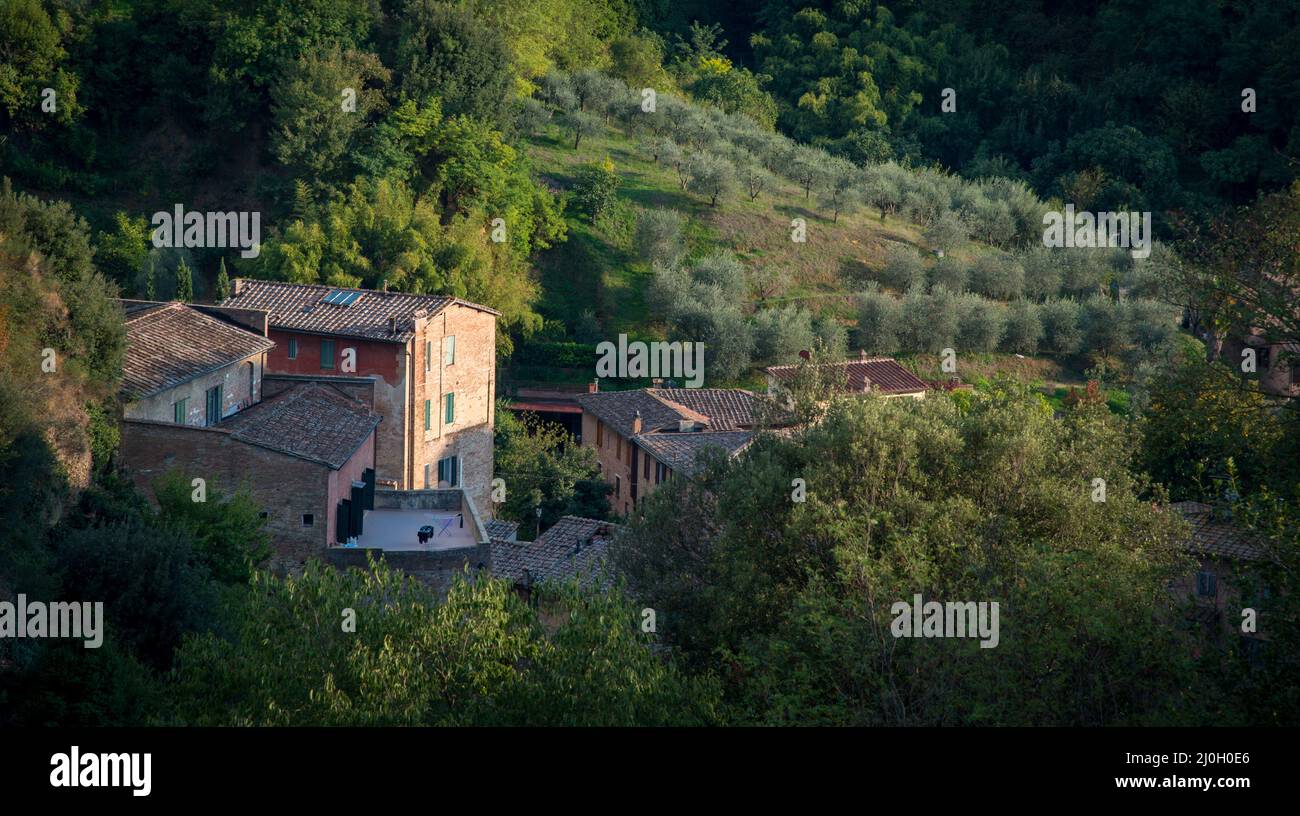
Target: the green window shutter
pixel 450 412
pixel 293 348
pixel 180 411
pixel 428 414
pixel 449 345
pixel 326 354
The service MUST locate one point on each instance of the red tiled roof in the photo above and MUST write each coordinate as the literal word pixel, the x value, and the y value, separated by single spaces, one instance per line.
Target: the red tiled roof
pixel 726 408
pixel 301 307
pixel 311 421
pixel 168 344
pixel 618 409
pixel 884 373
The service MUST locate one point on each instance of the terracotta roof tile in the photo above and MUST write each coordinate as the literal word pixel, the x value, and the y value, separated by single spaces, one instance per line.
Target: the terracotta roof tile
pixel 301 307
pixel 619 408
pixel 680 451
pixel 885 374
pixel 1212 536
pixel 168 344
pixel 726 408
pixel 574 547
pixel 311 421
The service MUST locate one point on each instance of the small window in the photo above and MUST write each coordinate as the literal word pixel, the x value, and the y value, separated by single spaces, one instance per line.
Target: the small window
pixel 428 355
pixel 645 472
pixel 600 434
pixel 293 348
pixel 618 485
pixel 428 415
pixel 326 354
pixel 180 411
pixel 1207 584
pixel 264 515
pixel 449 349
pixel 449 409
pixel 449 471
pixel 428 476
pixel 213 407
pixel 308 519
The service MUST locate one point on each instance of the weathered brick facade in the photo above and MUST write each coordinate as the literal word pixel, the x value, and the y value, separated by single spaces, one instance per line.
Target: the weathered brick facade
pixel 286 487
pixel 402 343
pixel 241 386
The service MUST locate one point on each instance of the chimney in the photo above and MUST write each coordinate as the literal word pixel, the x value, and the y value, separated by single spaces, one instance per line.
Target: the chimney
pixel 866 384
pixel 636 422
pixel 384 286
pixel 862 355
pixel 392 325
pixel 593 387
pixel 236 285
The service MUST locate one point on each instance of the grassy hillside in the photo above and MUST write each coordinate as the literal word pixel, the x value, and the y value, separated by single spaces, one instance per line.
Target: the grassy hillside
pixel 598 269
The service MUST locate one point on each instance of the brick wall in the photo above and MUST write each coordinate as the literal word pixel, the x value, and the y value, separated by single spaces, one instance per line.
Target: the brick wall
pixel 285 487
pixel 381 362
pixel 339 486
pixel 240 383
pixel 436 569
pixel 615 457
pixel 471 377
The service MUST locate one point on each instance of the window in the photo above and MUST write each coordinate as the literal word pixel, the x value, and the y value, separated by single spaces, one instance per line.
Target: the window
pixel 449 409
pixel 293 348
pixel 449 471
pixel 263 515
pixel 618 485
pixel 428 415
pixel 646 471
pixel 213 412
pixel 326 354
pixel 661 472
pixel 180 411
pixel 308 519
pixel 1207 583
pixel 600 434
pixel 428 355
pixel 449 350
pixel 428 475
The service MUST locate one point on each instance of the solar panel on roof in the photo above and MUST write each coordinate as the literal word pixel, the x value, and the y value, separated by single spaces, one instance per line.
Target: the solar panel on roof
pixel 340 297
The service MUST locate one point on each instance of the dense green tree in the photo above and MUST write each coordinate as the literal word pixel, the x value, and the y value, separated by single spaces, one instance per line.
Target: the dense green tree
pixel 541 467
pixel 596 189
pixel 184 283
pixel 986 503
pixel 479 656
pixel 445 52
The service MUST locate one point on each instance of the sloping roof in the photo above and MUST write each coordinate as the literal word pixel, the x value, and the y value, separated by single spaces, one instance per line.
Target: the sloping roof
pixel 574 547
pixel 301 307
pixel 311 421
pixel 726 408
pixel 1212 536
pixel 680 450
pixel 168 344
pixel 885 374
pixel 506 530
pixel 618 408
